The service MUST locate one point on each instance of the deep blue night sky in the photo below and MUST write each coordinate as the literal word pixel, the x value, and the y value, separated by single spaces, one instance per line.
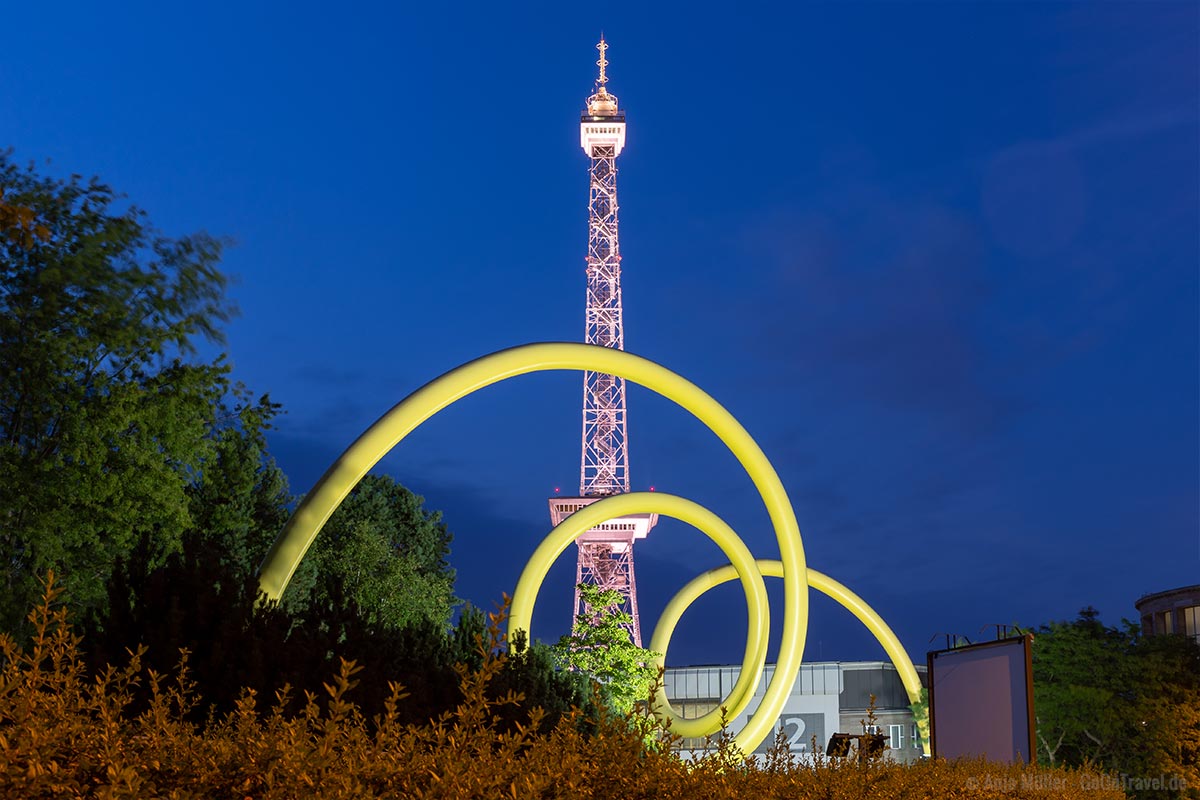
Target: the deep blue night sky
pixel 940 259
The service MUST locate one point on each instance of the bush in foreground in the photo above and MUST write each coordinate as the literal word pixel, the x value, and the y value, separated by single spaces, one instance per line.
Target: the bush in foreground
pixel 198 602
pixel 62 735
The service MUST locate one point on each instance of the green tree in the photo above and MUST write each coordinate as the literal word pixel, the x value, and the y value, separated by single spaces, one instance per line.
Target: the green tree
pixel 105 414
pixel 239 498
pixel 599 646
pixel 385 552
pixel 1108 696
pixel 1082 674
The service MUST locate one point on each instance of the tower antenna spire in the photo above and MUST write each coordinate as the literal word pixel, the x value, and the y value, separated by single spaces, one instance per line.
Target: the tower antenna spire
pixel 603 62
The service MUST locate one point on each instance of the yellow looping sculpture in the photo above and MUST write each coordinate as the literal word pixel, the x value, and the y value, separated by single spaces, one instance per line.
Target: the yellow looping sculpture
pixel 312 513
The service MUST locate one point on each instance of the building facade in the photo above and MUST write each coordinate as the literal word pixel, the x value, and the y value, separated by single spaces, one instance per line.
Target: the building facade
pixel 827 698
pixel 1173 611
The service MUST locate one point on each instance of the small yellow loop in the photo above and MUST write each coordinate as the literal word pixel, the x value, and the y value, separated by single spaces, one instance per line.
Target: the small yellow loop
pixel 770 568
pixel 741 565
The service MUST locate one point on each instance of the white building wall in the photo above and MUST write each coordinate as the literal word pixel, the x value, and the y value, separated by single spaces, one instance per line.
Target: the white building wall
pixel 813 709
pixel 810 711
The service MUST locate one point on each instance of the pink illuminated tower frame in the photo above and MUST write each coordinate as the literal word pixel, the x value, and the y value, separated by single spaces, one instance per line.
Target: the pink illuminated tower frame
pixel 605 553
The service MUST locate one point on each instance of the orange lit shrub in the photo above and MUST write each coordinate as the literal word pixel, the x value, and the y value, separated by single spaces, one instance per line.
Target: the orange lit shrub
pixel 63 735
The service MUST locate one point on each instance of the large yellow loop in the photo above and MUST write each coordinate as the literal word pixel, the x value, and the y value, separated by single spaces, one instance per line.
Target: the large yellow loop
pixel 392 427
pixel 742 565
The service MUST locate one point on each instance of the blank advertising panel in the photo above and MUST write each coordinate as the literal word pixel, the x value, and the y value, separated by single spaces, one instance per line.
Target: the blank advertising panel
pixel 981 701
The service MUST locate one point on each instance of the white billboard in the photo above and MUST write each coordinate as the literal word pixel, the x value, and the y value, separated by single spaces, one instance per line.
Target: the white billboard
pixel 981 701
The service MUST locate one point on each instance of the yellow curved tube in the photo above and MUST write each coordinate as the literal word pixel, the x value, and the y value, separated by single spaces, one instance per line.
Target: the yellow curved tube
pixel 297 536
pixel 742 566
pixel 772 568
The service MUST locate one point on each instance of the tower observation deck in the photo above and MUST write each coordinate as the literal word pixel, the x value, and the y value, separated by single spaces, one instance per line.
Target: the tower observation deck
pixel 605 553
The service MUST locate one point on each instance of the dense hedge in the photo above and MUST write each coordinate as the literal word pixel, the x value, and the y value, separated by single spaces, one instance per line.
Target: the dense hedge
pixel 64 735
pixel 197 602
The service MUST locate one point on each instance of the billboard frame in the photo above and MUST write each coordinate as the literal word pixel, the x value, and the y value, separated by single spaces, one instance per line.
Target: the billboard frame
pixel 1027 643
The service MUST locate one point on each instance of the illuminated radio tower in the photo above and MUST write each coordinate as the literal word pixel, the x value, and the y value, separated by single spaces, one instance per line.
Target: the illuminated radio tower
pixel 605 555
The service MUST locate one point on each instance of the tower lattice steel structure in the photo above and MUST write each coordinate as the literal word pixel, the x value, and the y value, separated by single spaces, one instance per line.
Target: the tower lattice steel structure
pixel 605 556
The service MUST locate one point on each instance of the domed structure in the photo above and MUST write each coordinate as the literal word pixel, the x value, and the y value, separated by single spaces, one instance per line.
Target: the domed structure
pixel 1172 611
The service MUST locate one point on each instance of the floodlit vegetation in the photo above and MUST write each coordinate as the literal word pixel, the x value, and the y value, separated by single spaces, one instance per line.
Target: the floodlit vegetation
pixel 599 647
pixel 1107 695
pixel 131 732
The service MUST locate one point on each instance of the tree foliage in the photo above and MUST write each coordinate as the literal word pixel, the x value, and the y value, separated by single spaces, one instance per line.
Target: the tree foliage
pixel 239 499
pixel 105 414
pixel 385 552
pixel 599 646
pixel 1105 695
pixel 20 225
